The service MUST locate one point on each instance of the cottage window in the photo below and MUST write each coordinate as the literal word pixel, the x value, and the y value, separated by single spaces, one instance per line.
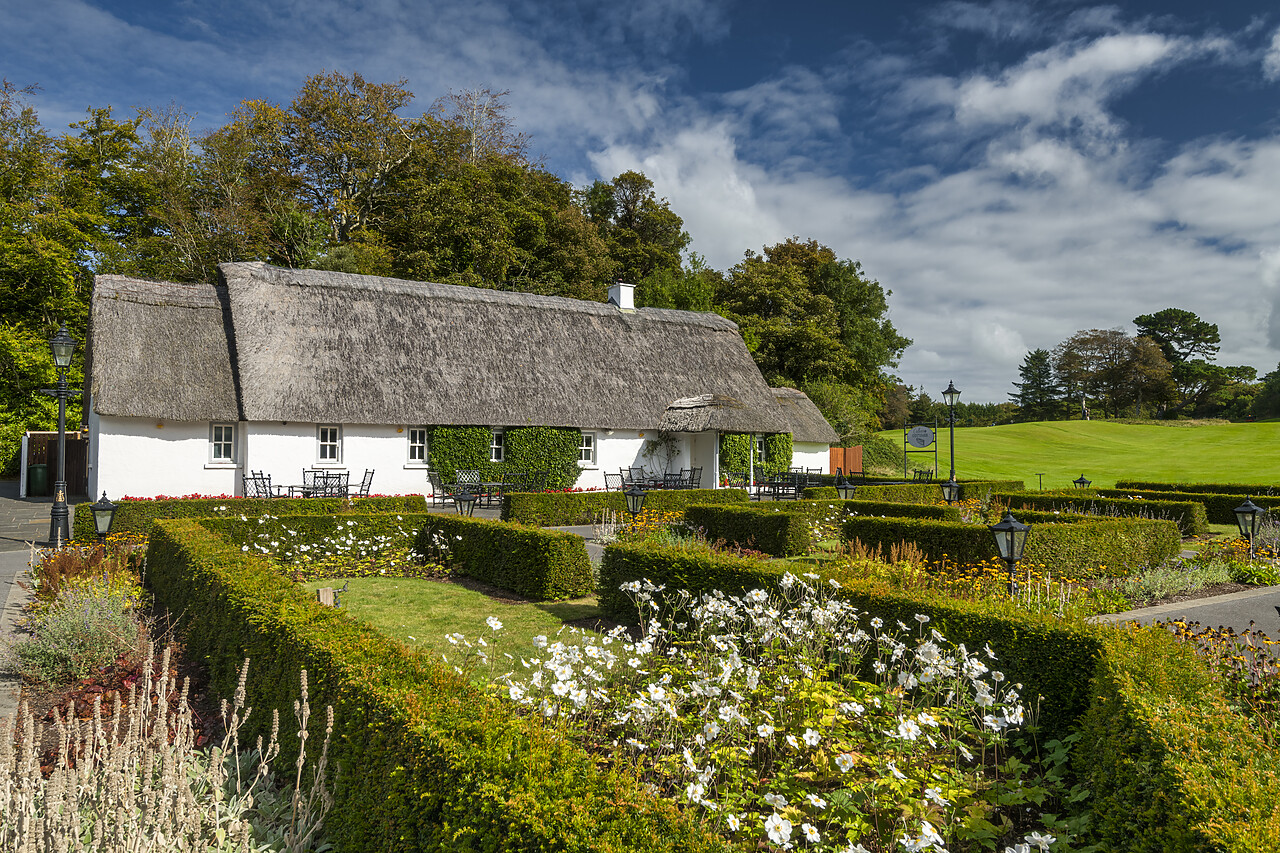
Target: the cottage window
pixel 222 443
pixel 418 446
pixel 760 460
pixel 587 448
pixel 330 444
pixel 496 446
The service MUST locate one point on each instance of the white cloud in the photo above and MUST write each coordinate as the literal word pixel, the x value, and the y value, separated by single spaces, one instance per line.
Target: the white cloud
pixel 1271 61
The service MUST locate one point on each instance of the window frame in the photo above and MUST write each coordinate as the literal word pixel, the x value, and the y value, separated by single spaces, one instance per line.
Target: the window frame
pixel 214 442
pixel 497 445
pixel 425 460
pixel 321 444
pixel 590 443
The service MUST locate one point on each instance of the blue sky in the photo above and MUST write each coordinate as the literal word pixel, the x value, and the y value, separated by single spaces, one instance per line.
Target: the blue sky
pixel 1012 171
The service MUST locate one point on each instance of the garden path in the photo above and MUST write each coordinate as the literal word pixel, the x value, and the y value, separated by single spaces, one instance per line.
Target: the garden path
pixel 21 523
pixel 1261 607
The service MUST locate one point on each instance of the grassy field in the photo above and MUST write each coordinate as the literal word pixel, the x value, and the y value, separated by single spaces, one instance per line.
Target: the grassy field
pixel 419 613
pixel 1106 451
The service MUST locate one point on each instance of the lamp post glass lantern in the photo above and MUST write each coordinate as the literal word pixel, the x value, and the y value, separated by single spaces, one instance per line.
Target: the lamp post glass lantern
pixel 635 500
pixel 465 502
pixel 951 491
pixel 843 487
pixel 63 347
pixel 104 512
pixel 1247 516
pixel 951 395
pixel 1011 540
pixel 1082 483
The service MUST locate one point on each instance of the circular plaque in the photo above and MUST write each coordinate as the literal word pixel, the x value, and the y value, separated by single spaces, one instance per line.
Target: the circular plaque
pixel 920 436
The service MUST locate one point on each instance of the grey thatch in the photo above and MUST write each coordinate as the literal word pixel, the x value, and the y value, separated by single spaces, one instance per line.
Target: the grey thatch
pixel 806 422
pixel 322 347
pixel 717 412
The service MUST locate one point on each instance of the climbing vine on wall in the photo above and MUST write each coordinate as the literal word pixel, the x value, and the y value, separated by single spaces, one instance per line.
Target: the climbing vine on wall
pixel 550 449
pixel 736 449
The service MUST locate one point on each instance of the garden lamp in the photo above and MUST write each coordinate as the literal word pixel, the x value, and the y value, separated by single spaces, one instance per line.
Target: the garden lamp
pixel 1011 539
pixel 1082 483
pixel 951 395
pixel 1247 516
pixel 635 500
pixel 843 487
pixel 104 511
pixel 951 491
pixel 465 502
pixel 62 347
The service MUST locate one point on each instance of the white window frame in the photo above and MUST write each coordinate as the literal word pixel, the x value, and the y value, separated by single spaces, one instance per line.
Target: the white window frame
pixel 424 460
pixel 497 446
pixel 588 444
pixel 335 442
pixel 225 439
pixel 760 445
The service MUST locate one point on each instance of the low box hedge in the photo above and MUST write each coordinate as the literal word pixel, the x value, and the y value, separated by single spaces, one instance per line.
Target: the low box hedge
pixel 1244 489
pixel 544 565
pixel 1219 508
pixel 1190 516
pixel 135 516
pixel 931 493
pixel 563 509
pixel 777 531
pixel 343 532
pixel 424 759
pixel 1102 547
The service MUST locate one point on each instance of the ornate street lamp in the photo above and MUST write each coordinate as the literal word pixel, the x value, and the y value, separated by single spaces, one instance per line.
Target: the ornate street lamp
pixel 844 488
pixel 1011 539
pixel 465 502
pixel 104 511
pixel 635 500
pixel 951 395
pixel 1081 482
pixel 63 347
pixel 951 490
pixel 1247 517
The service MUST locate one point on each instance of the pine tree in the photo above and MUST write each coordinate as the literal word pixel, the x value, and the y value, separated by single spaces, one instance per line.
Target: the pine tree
pixel 1039 396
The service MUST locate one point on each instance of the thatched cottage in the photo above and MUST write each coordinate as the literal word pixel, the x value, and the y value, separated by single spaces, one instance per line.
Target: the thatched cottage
pixel 192 385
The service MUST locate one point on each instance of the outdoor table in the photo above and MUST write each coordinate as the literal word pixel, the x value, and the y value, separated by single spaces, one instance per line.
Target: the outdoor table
pixel 494 490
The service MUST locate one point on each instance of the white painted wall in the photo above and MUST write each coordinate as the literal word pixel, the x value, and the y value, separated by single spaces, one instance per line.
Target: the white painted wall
pixel 142 458
pixel 284 450
pixel 807 454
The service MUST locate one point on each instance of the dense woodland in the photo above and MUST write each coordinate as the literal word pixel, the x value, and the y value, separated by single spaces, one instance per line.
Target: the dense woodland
pixel 342 179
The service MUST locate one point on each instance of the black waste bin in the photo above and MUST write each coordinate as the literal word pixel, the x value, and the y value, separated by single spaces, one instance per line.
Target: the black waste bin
pixel 38 481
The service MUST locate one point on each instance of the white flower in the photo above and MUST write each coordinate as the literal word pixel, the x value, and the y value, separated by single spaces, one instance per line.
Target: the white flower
pixel 877 622
pixel 694 792
pixel 816 801
pixel 732 820
pixel 810 833
pixel 792 742
pixel 908 729
pixel 540 641
pixel 764 730
pixel 788 581
pixel 935 795
pixel 921 618
pixel 845 762
pixel 1040 840
pixel 897 774
pixel 779 828
pixel 516 693
pixel 811 737
pixel 493 623
pixel 776 800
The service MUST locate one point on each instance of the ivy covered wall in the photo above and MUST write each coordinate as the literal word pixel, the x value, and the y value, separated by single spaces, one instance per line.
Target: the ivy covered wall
pixel 736 450
pixel 550 449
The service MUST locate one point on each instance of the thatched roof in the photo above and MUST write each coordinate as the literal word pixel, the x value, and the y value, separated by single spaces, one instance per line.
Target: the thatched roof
pixel 806 422
pixel 713 412
pixel 320 347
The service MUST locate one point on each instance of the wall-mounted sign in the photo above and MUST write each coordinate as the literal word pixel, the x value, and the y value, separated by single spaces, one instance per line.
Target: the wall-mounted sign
pixel 920 436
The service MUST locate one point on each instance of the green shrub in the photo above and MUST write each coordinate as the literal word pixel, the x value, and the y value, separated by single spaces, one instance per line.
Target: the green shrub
pixel 286 538
pixel 1190 516
pixel 815 493
pixel 562 509
pixel 135 516
pixel 86 628
pixel 881 454
pixel 550 449
pixel 1102 547
pixel 771 529
pixel 544 565
pixel 1245 489
pixel 425 760
pixel 1219 508
pixel 900 493
pixel 454 447
pixel 737 453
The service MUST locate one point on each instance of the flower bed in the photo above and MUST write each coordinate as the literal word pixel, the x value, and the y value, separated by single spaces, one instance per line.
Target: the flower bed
pixel 1189 515
pixel 563 509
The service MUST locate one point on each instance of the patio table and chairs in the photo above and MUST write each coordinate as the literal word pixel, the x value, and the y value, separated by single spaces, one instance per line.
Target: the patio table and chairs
pixel 258 485
pixel 319 483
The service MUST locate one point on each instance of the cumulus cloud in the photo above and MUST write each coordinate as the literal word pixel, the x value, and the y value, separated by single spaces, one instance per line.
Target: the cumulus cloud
pixel 1271 60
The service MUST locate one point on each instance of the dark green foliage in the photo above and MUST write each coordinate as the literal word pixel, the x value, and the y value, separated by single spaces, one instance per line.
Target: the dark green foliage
pixel 544 565
pixel 777 453
pixel 879 453
pixel 1189 515
pixel 898 510
pixel 561 509
pixel 1104 547
pixel 1039 396
pixel 311 529
pixel 454 447
pixel 901 493
pixel 1220 508
pixel 1243 489
pixel 550 449
pixel 773 529
pixel 136 516
pixel 736 453
pixel 425 760
pixel 814 493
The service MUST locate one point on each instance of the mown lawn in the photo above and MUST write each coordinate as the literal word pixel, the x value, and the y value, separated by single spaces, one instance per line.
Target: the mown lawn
pixel 1106 451
pixel 419 613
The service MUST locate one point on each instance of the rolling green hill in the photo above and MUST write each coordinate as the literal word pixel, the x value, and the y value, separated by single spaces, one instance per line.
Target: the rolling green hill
pixel 1107 451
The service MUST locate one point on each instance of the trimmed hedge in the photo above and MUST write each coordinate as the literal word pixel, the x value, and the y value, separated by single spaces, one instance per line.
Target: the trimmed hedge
pixel 1190 516
pixel 136 516
pixel 1095 548
pixel 776 532
pixel 1219 508
pixel 545 565
pixel 562 509
pixel 424 760
pixel 1245 489
pixel 931 493
pixel 313 529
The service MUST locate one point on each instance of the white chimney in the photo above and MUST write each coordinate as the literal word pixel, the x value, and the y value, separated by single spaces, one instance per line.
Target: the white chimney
pixel 622 295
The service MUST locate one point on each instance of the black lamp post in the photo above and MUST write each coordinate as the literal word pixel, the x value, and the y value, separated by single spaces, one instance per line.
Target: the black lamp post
pixel 951 490
pixel 104 512
pixel 1082 483
pixel 951 395
pixel 1011 539
pixel 1247 516
pixel 63 347
pixel 844 488
pixel 635 500
pixel 465 502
